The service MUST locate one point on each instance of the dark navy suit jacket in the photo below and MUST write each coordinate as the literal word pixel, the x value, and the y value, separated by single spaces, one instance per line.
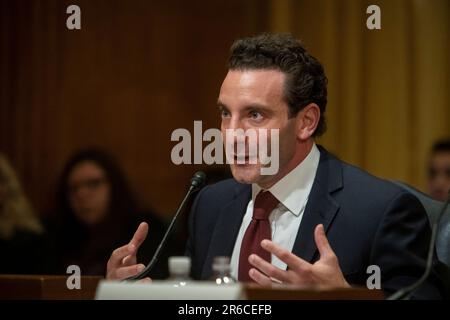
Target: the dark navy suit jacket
pixel 368 221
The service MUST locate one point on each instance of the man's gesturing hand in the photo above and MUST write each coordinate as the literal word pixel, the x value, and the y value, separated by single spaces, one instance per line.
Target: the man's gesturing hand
pixel 323 273
pixel 123 263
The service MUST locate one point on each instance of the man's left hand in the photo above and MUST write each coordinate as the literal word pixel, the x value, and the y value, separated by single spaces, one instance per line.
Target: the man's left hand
pixel 324 273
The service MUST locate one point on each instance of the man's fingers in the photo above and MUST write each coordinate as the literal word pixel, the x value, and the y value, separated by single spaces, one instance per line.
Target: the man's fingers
pixel 259 277
pixel 119 254
pixel 140 235
pixel 322 242
pixel 129 260
pixel 126 255
pixel 293 262
pixel 122 262
pixel 267 268
pixel 125 272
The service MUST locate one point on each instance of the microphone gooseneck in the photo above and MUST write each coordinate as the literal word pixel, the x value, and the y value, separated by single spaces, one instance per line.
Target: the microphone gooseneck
pixel 197 181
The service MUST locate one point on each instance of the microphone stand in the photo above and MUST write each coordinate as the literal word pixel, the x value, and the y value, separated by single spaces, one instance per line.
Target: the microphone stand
pixel 196 182
pixel 405 293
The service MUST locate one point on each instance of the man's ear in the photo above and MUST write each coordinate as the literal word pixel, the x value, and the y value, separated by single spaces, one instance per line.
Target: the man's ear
pixel 307 120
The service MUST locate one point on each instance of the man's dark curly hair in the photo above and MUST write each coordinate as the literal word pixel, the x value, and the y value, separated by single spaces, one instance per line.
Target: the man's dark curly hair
pixel 305 77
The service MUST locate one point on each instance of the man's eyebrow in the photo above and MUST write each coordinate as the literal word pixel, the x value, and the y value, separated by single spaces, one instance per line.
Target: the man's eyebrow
pixel 221 106
pixel 257 106
pixel 253 106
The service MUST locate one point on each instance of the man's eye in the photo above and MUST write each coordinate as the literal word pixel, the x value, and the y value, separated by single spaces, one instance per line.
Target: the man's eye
pixel 224 113
pixel 255 115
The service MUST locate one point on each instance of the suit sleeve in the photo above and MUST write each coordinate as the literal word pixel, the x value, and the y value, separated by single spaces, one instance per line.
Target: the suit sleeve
pixel 401 246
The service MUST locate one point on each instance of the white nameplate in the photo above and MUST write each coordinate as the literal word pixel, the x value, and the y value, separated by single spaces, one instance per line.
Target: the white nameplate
pixel 165 290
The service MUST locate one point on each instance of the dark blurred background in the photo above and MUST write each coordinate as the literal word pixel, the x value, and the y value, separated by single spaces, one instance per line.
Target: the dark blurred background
pixel 139 69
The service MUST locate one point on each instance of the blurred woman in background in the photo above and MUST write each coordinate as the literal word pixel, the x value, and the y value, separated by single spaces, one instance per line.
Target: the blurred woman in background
pixel 96 212
pixel 20 229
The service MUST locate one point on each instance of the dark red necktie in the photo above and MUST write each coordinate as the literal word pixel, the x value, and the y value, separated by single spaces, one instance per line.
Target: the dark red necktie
pixel 258 230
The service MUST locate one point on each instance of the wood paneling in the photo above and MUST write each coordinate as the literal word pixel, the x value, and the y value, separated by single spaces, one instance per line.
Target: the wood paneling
pixel 135 71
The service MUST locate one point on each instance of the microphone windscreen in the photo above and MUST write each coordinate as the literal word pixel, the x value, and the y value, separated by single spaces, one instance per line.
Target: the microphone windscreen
pixel 198 179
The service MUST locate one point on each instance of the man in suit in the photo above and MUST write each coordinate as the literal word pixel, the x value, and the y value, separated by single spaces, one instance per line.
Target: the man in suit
pixel 317 221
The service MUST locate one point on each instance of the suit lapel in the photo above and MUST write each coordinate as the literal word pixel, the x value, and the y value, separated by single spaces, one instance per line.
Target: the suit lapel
pixel 321 207
pixel 227 227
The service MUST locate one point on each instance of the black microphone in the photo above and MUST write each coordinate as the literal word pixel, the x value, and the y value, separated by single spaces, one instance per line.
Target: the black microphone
pixel 406 292
pixel 197 181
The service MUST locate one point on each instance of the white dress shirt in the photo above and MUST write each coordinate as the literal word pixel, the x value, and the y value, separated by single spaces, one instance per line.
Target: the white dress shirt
pixel 292 191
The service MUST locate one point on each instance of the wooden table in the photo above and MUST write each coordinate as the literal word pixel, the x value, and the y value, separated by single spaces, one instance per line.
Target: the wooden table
pixel 45 287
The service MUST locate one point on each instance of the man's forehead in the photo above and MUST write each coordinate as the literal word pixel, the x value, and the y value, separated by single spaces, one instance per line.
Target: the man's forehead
pixel 262 83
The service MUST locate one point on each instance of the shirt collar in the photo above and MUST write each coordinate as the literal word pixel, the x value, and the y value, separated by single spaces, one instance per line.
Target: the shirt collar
pixel 293 189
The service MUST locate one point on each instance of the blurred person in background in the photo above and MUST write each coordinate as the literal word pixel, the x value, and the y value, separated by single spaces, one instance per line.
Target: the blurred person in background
pixel 20 229
pixel 95 213
pixel 439 170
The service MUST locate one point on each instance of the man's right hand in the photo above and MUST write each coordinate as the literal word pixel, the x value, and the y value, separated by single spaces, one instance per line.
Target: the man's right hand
pixel 123 263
